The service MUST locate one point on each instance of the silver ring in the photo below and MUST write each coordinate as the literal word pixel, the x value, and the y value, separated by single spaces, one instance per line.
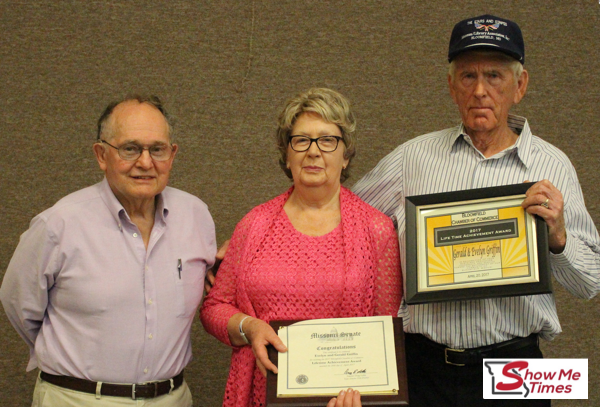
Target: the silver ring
pixel 545 203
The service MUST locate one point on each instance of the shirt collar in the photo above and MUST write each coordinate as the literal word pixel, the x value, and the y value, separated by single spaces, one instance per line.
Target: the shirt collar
pixel 162 211
pixel 117 210
pixel 517 124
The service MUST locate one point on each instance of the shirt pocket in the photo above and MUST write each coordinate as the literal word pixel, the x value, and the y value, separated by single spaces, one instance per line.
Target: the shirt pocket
pixel 189 286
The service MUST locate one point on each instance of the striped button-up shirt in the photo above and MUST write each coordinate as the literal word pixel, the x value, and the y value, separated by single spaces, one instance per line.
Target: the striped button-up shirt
pixel 447 161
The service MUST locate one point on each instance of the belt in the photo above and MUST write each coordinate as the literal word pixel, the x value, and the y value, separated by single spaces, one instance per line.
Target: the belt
pixel 135 391
pixel 474 356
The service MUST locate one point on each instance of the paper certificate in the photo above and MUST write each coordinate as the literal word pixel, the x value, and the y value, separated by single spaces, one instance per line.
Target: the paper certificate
pixel 486 246
pixel 327 355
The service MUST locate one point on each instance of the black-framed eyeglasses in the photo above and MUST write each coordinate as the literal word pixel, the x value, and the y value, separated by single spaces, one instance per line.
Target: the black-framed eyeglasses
pixel 133 151
pixel 327 144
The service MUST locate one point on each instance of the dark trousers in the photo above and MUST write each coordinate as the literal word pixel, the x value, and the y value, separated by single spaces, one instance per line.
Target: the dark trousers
pixel 434 383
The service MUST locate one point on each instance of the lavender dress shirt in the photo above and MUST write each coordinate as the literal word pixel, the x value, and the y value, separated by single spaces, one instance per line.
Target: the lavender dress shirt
pixel 92 302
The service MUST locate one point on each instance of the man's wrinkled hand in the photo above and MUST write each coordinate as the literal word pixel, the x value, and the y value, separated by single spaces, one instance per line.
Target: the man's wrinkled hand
pixel 546 201
pixel 211 273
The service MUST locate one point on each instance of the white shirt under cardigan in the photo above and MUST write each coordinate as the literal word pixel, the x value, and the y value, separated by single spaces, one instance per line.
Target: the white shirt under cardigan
pixel 447 161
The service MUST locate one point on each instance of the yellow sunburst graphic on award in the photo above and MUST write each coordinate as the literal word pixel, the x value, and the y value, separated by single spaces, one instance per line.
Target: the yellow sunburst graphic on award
pixel 441 270
pixel 514 251
pixel 514 258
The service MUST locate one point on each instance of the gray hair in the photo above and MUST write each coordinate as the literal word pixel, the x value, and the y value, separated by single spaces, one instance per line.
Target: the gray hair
pixel 332 107
pixel 106 132
pixel 513 64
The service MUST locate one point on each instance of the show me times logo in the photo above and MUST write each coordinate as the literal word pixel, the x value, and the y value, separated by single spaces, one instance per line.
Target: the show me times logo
pixel 535 378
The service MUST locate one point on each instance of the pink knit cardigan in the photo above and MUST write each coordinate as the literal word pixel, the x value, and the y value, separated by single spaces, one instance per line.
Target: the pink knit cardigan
pixel 373 284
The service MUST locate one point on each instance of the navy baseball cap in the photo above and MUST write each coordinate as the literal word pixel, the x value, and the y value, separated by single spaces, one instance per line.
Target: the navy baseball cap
pixel 489 32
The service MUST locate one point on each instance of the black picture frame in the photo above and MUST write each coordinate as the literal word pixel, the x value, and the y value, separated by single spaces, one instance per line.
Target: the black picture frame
pixel 414 207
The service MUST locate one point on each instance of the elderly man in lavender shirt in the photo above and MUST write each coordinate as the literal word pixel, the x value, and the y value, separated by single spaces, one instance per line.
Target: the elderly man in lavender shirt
pixel 104 285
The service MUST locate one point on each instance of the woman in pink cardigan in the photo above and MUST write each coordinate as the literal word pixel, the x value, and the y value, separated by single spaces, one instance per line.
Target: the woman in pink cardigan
pixel 316 251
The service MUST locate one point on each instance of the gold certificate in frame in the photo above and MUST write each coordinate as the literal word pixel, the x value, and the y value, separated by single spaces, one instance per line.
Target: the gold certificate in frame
pixel 474 244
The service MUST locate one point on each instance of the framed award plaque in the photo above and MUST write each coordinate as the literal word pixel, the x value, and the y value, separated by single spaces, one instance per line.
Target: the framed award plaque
pixel 474 244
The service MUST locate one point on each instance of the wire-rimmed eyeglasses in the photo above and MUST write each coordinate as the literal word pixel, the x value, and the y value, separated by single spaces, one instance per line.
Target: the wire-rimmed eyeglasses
pixel 133 151
pixel 327 144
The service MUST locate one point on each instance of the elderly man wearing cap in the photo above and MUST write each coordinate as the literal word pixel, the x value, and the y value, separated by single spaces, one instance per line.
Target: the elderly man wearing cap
pixel 446 342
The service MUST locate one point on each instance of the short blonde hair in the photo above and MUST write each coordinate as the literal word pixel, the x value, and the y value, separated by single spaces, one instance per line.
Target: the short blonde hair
pixel 332 107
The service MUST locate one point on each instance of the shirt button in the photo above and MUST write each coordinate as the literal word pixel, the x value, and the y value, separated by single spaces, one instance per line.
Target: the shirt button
pixel 146 268
pixel 150 301
pixel 135 235
pixel 146 370
pixel 150 336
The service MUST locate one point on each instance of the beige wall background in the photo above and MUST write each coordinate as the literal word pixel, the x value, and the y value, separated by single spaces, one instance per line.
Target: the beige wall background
pixel 225 69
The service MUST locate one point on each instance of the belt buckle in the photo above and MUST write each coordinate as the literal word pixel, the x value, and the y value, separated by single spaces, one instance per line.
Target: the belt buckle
pixel 446 356
pixel 155 384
